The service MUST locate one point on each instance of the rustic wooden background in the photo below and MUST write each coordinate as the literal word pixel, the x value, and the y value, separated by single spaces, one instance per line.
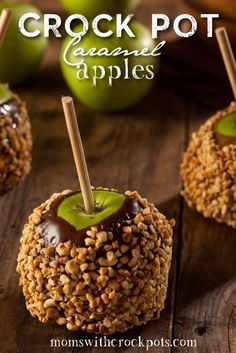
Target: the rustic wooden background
pixel 137 149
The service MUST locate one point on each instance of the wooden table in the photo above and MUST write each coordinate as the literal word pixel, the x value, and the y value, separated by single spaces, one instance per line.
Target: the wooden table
pixel 138 149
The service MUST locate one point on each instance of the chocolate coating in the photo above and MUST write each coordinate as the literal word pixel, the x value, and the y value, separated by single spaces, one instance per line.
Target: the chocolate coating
pixel 224 140
pixel 10 107
pixel 56 230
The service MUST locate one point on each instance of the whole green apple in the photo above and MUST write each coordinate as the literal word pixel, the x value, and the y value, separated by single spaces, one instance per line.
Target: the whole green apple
pixel 5 94
pixel 126 90
pixel 92 8
pixel 20 56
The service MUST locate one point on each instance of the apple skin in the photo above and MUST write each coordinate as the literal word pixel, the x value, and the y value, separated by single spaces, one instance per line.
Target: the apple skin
pixel 227 125
pixel 72 208
pixel 5 94
pixel 92 8
pixel 124 93
pixel 225 130
pixel 20 56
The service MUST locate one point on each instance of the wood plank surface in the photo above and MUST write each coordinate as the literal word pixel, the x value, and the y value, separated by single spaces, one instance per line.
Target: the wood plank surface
pixel 137 149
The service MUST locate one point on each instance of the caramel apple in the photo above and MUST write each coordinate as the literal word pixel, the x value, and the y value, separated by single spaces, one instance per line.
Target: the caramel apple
pixel 15 140
pixel 209 171
pixel 209 164
pixel 97 259
pixel 15 130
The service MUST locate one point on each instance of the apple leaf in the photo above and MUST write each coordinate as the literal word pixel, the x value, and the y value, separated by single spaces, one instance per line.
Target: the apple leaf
pixel 5 94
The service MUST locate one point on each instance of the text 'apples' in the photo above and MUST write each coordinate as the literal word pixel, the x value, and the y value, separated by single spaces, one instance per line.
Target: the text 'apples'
pixel 131 77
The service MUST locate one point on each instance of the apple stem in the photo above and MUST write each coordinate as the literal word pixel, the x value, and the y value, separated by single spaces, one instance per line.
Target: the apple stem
pixel 228 56
pixel 4 22
pixel 78 152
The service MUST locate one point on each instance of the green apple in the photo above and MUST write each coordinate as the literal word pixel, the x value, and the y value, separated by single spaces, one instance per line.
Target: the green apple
pixel 5 94
pixel 107 203
pixel 125 92
pixel 226 130
pixel 227 125
pixel 92 8
pixel 20 56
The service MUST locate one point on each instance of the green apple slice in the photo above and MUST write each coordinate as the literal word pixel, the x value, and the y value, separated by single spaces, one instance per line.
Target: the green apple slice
pixel 107 203
pixel 5 94
pixel 226 130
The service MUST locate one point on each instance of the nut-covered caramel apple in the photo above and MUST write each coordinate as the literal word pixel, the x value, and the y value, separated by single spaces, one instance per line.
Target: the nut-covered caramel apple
pixel 209 169
pixel 15 140
pixel 105 272
pixel 15 130
pixel 209 164
pixel 96 260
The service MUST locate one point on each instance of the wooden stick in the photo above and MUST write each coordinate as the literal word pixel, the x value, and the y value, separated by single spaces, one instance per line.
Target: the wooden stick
pixel 4 22
pixel 228 56
pixel 78 152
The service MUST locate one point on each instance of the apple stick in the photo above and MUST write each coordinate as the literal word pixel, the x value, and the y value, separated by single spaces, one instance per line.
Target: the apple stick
pixel 4 21
pixel 78 152
pixel 228 56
